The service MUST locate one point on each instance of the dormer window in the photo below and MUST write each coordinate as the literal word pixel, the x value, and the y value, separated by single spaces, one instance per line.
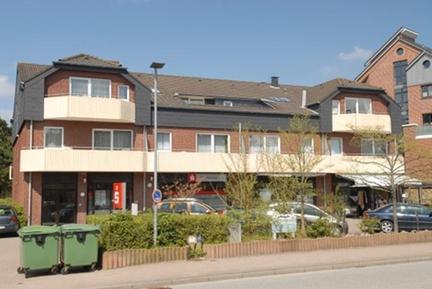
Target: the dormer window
pixel 198 100
pixel 335 106
pixel 358 105
pixel 90 87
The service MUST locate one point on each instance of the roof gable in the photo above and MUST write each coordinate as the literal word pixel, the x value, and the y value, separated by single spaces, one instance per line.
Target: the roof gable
pixel 83 59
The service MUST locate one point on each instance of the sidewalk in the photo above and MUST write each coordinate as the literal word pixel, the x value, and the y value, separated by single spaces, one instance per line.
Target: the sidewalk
pixel 148 276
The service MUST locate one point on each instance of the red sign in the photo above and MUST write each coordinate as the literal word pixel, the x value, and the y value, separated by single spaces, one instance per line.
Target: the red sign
pixel 118 196
pixel 191 178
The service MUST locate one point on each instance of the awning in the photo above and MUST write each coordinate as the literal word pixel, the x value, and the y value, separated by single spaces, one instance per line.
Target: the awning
pixel 380 181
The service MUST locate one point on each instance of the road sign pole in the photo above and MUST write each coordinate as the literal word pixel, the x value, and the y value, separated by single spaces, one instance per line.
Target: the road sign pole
pixel 155 169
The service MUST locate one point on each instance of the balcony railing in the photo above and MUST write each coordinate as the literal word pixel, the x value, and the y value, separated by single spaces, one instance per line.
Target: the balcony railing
pixel 89 160
pixel 346 122
pixel 89 109
pixel 424 131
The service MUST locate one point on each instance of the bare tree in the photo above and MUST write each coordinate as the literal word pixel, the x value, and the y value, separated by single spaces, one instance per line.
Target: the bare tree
pixel 182 189
pixel 388 161
pixel 301 160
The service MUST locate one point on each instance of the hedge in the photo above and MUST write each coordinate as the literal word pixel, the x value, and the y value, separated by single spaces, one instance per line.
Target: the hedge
pixel 121 231
pixel 22 219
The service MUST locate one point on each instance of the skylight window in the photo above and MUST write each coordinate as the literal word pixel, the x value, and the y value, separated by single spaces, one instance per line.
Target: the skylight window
pixel 276 99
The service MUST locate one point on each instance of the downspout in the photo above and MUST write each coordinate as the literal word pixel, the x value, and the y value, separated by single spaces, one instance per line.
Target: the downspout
pixel 29 192
pixel 145 148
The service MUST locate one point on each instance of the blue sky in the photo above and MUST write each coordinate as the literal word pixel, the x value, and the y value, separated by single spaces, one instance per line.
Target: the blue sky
pixel 303 42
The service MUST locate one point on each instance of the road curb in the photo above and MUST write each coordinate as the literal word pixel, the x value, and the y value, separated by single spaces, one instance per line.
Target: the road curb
pixel 260 273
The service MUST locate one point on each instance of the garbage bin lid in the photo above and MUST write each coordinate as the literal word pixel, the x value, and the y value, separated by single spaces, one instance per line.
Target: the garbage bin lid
pixel 38 230
pixel 80 228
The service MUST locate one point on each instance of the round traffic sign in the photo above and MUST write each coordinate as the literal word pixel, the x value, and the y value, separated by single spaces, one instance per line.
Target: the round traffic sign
pixel 157 196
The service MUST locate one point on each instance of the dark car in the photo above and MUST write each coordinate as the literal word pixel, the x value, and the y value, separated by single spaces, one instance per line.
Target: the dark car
pixel 8 220
pixel 410 217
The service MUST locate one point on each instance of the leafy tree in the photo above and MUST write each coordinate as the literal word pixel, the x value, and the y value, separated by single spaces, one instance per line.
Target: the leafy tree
pixel 5 158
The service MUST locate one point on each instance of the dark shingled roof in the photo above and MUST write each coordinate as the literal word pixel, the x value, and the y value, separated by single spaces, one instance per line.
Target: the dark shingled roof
pixel 319 92
pixel 29 70
pixel 259 94
pixel 90 60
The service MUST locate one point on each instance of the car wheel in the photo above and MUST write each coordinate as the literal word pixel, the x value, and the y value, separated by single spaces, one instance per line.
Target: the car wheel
pixel 386 226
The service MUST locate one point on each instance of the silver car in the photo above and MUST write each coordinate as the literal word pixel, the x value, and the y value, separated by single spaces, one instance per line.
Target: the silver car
pixel 311 213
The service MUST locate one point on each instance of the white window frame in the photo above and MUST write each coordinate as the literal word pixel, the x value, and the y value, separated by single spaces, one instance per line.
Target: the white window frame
pixel 264 149
pixel 312 145
pixel 127 94
pixel 373 147
pixel 341 144
pixel 338 106
pixel 62 134
pixel 212 142
pixel 170 141
pixel 227 103
pixel 89 84
pixel 357 104
pixel 112 136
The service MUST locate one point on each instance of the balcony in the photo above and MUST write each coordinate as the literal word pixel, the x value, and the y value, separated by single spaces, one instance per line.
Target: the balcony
pixel 83 108
pixel 346 122
pixel 424 131
pixel 81 160
pixel 88 160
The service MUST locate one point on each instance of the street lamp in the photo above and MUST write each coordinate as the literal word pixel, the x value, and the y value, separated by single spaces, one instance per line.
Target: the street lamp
pixel 155 66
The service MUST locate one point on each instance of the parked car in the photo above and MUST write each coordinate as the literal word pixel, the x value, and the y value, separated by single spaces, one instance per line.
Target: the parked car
pixel 8 220
pixel 311 213
pixel 410 217
pixel 190 206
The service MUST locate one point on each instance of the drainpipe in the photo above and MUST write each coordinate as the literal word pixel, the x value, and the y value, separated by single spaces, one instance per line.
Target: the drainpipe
pixel 29 192
pixel 145 148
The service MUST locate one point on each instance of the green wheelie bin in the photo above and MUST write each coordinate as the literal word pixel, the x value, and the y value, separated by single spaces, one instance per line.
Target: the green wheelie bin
pixel 79 246
pixel 39 249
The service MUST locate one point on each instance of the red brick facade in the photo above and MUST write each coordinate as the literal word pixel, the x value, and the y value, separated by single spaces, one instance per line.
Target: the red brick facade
pixel 57 84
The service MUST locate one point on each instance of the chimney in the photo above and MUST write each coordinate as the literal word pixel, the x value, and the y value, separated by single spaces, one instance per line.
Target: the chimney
pixel 304 94
pixel 275 81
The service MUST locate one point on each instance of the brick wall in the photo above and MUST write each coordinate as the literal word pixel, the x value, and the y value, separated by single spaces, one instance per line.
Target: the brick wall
pixel 381 73
pixel 58 83
pixel 379 106
pixel 418 105
pixel 79 134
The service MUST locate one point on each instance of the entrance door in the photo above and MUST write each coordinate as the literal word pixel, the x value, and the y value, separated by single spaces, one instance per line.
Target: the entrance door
pixel 59 192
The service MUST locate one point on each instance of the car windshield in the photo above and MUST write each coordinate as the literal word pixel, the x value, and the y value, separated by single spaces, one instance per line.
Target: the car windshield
pixel 5 212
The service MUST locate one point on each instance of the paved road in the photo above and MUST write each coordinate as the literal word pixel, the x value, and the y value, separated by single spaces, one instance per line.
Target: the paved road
pixel 399 276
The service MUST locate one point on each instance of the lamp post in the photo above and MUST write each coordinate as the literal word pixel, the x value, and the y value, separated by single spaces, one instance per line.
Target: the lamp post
pixel 155 66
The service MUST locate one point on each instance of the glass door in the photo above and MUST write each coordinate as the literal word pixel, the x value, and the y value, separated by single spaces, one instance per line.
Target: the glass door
pixel 59 192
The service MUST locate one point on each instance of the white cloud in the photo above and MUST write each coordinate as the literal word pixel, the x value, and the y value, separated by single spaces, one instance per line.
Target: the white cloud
pixel 7 88
pixel 6 114
pixel 357 53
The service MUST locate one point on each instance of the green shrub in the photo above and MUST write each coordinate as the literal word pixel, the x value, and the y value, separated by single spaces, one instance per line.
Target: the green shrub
pixel 22 219
pixel 318 229
pixel 369 225
pixel 121 231
pixel 256 224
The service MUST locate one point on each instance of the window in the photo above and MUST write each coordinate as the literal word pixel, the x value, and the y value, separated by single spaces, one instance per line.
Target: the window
pixel 198 100
pixel 227 103
pixel 335 106
pixel 358 105
pixel 399 72
pixel 260 144
pixel 123 92
pixel 308 146
pixel 427 118
pixel 90 87
pixel 53 137
pixel 335 146
pixel 401 95
pixel 426 90
pixel 164 141
pixel 106 139
pixel 426 64
pixel 372 147
pixel 212 143
pixel 400 51
pixel 198 209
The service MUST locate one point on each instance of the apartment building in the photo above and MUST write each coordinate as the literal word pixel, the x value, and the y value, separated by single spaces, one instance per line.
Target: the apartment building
pixel 82 128
pixel 402 66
